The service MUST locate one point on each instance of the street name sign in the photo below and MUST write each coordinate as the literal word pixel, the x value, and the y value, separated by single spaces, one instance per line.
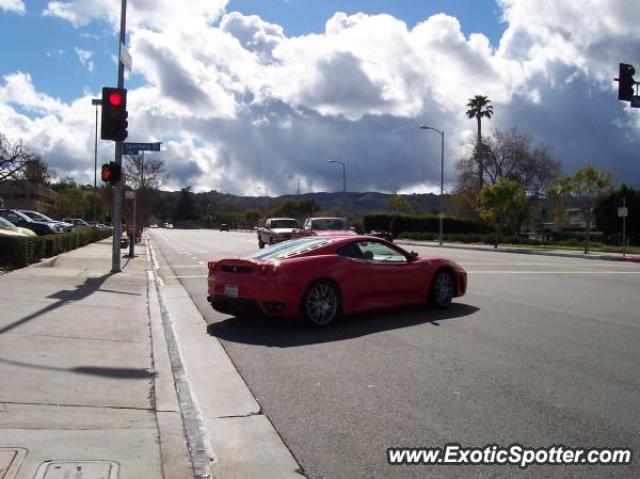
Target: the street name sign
pixel 134 148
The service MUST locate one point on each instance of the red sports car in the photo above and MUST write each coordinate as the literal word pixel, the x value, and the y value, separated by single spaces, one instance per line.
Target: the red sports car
pixel 320 278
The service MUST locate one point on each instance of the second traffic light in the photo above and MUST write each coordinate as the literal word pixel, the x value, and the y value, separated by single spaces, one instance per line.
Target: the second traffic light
pixel 111 172
pixel 626 82
pixel 114 114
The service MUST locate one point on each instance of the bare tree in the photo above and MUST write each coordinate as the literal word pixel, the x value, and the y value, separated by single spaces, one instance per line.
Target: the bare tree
pixel 146 175
pixel 510 155
pixel 13 158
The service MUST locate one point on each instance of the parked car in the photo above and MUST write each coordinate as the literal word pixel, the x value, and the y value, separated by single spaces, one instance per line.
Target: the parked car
pixel 276 230
pixel 319 278
pixel 37 216
pixel 327 226
pixel 224 227
pixel 77 222
pixel 24 221
pixel 7 228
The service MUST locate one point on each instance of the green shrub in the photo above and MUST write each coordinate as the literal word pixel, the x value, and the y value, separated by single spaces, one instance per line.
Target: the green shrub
pixel 423 224
pixel 19 252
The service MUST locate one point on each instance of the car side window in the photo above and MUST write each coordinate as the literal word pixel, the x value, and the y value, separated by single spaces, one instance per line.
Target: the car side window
pixel 351 250
pixel 380 252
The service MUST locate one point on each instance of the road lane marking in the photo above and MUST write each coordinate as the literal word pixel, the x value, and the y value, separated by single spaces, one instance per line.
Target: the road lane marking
pixel 186 276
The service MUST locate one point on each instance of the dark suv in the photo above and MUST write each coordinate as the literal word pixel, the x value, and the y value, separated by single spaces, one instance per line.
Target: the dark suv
pixel 39 227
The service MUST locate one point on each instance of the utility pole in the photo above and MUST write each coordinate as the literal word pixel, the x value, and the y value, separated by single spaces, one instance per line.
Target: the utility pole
pixel 96 102
pixel 116 210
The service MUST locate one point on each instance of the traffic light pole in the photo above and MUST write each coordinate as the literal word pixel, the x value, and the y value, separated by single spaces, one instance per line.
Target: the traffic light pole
pixel 116 210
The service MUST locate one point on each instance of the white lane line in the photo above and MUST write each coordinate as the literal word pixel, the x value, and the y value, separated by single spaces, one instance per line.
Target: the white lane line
pixel 187 276
pixel 182 266
pixel 553 272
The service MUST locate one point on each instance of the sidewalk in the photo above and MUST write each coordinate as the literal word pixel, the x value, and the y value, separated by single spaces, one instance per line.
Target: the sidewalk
pixel 523 250
pixel 84 390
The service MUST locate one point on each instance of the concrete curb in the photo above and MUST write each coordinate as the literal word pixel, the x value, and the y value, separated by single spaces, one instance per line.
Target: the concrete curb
pixel 604 257
pixel 242 440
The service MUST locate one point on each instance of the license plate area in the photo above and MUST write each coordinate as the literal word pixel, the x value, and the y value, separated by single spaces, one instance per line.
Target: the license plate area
pixel 231 290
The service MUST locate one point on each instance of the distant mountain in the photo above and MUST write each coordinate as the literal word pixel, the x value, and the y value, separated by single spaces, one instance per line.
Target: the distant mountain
pixel 355 204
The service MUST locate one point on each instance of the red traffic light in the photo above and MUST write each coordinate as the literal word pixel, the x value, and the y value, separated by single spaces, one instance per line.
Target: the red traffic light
pixel 111 172
pixel 106 173
pixel 115 98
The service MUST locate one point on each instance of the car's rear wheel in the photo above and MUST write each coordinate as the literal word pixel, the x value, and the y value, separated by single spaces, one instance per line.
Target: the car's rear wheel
pixel 442 289
pixel 320 304
pixel 260 243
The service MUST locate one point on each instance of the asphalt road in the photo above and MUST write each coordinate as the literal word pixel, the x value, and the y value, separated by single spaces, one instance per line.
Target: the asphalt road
pixel 541 351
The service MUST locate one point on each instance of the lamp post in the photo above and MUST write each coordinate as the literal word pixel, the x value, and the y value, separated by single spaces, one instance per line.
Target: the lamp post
pixel 96 102
pixel 441 214
pixel 344 173
pixel 297 178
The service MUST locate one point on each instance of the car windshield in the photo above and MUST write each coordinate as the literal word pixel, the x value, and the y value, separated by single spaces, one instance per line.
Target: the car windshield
pixel 288 248
pixel 284 224
pixel 6 224
pixel 324 224
pixel 34 215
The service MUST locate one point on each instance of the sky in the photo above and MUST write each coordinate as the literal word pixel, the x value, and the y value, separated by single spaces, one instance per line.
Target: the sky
pixel 250 96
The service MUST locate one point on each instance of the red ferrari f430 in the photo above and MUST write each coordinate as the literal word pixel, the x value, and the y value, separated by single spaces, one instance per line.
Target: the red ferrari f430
pixel 318 279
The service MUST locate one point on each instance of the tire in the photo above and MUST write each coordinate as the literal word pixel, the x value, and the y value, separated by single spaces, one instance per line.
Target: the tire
pixel 320 304
pixel 260 243
pixel 442 289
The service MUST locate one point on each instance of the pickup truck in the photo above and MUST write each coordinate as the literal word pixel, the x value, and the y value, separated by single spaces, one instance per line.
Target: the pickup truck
pixel 276 230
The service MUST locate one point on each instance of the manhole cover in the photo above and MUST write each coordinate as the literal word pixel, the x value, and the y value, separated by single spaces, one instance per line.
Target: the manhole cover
pixel 10 460
pixel 77 470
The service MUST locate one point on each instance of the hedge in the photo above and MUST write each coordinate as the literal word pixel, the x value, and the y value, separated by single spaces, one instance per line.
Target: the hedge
pixel 18 252
pixel 423 223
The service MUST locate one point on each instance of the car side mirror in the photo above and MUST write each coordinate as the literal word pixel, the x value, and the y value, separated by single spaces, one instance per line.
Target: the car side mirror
pixel 412 256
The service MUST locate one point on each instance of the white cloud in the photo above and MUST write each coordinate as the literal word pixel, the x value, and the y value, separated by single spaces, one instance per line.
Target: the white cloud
pixel 14 6
pixel 85 58
pixel 239 104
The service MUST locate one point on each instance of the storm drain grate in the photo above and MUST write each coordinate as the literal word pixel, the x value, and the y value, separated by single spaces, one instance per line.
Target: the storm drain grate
pixel 10 460
pixel 77 470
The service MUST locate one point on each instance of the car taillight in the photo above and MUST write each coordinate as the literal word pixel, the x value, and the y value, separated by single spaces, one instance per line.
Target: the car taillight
pixel 268 268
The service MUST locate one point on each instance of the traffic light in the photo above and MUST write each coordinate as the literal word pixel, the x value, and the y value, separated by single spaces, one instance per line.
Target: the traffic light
pixel 111 172
pixel 626 82
pixel 114 114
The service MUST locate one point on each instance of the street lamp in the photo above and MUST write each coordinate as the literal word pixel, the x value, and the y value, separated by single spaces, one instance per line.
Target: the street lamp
pixel 441 215
pixel 297 178
pixel 96 102
pixel 344 173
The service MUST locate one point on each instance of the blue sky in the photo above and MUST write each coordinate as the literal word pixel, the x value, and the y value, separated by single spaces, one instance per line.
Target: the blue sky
pixel 241 100
pixel 309 16
pixel 45 46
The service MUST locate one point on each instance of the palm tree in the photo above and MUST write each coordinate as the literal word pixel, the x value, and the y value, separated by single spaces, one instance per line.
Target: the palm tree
pixel 479 106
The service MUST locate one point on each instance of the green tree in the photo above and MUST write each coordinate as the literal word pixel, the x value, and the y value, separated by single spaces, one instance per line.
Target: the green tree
pixel 585 185
pixel 479 107
pixel 500 204
pixel 399 205
pixel 605 213
pixel 185 208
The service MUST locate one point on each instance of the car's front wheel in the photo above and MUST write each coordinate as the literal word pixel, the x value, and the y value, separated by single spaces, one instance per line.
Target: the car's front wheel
pixel 442 289
pixel 320 304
